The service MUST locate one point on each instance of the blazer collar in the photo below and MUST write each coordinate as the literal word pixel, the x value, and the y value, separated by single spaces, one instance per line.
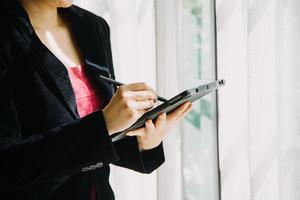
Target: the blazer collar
pixel 86 35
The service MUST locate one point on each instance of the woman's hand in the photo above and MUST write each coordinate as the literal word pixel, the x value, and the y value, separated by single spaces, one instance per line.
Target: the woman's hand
pixel 128 104
pixel 152 134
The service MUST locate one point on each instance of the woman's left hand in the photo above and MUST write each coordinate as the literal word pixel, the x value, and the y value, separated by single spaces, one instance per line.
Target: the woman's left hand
pixel 152 134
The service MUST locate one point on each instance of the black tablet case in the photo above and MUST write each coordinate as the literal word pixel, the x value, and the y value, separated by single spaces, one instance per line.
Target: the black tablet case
pixel 188 95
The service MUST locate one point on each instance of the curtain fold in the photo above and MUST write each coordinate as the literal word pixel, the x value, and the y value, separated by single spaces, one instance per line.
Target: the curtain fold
pixel 259 41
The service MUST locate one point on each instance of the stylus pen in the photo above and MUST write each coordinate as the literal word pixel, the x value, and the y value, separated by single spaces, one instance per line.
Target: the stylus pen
pixel 119 84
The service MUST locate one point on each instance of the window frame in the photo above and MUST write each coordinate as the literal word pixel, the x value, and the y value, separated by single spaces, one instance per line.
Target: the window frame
pixel 168 12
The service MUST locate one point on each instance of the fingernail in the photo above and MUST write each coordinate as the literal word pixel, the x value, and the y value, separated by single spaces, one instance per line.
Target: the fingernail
pixel 128 134
pixel 162 116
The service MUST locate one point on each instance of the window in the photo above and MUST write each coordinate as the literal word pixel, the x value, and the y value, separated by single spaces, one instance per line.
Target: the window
pixel 199 139
pixel 186 58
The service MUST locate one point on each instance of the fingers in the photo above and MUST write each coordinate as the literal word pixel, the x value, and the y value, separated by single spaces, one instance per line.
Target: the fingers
pixel 137 92
pixel 137 96
pixel 143 95
pixel 141 105
pixel 137 132
pixel 185 113
pixel 174 115
pixel 148 129
pixel 161 121
pixel 136 87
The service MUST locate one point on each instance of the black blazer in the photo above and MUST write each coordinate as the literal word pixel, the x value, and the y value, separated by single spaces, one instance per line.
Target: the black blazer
pixel 46 150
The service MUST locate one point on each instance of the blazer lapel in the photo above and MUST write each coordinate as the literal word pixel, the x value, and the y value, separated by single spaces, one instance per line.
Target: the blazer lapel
pixel 60 77
pixel 87 35
pixel 45 60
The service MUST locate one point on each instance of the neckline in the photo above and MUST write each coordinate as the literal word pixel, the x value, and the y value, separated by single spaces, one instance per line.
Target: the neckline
pixel 75 66
pixel 19 12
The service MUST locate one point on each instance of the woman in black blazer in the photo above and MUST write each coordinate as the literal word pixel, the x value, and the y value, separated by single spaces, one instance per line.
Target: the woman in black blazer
pixel 47 151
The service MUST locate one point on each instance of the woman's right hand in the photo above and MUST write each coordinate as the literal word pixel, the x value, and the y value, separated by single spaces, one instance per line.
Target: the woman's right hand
pixel 128 104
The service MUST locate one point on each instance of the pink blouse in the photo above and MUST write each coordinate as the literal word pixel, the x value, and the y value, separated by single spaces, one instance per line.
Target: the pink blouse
pixel 87 99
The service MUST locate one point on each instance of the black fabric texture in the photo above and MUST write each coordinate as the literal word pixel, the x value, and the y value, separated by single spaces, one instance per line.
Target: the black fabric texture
pixel 44 145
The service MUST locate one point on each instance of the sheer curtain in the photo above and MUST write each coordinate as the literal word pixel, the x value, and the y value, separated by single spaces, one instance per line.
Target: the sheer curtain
pixel 259 43
pixel 132 24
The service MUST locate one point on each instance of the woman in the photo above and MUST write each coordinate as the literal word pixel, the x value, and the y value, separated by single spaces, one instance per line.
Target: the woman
pixel 55 119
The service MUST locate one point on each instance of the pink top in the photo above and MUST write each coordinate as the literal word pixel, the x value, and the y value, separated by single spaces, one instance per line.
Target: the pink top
pixel 87 99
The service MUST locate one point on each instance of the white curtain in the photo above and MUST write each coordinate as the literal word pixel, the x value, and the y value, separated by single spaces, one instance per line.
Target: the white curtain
pixel 169 180
pixel 132 24
pixel 259 45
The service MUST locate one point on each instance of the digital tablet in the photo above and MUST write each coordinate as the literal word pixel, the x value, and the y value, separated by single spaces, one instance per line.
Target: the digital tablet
pixel 187 95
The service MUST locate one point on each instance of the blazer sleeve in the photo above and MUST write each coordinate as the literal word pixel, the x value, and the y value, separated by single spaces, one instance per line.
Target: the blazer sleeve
pixel 131 158
pixel 62 151
pixel 127 149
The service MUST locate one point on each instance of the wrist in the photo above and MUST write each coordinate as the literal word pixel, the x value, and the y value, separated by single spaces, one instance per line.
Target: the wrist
pixel 144 146
pixel 109 127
